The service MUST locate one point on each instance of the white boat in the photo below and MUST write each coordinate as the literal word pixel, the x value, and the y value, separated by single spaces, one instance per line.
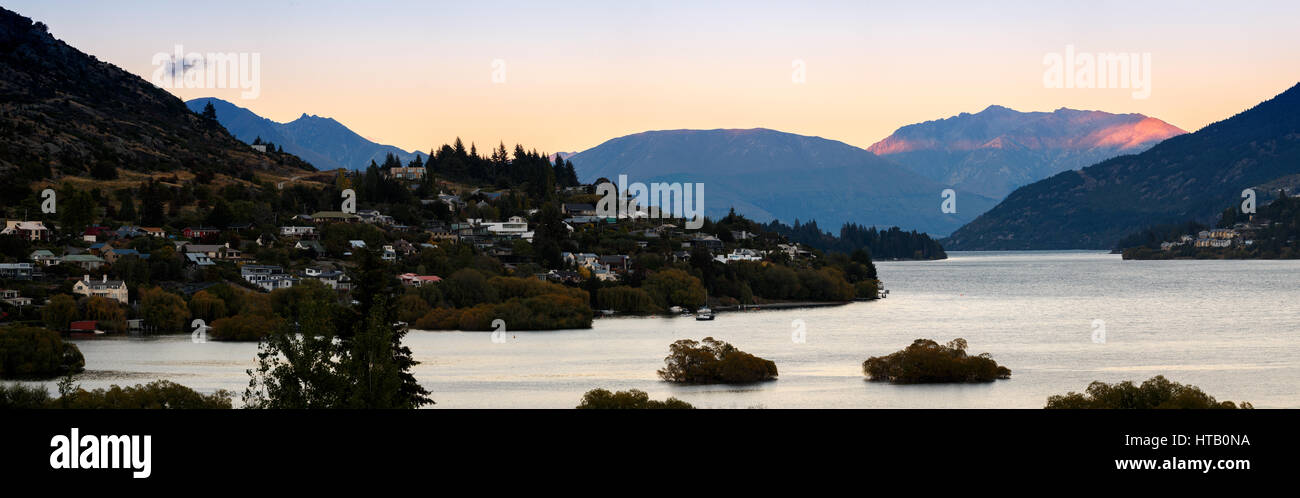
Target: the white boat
pixel 704 314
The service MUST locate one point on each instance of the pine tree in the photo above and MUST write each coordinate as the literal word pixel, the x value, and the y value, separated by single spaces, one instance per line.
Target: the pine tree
pixel 209 112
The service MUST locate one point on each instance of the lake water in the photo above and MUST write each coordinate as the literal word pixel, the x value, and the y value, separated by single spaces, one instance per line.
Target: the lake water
pixel 1231 327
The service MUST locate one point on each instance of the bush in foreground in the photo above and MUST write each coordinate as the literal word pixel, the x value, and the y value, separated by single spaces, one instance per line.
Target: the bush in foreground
pixel 18 396
pixel 926 361
pixel 635 399
pixel 1155 393
pixel 159 394
pixel 713 362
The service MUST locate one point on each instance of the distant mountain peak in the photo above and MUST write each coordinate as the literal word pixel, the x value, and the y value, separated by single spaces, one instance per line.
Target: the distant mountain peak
pixel 768 174
pixel 998 149
pixel 1189 177
pixel 320 140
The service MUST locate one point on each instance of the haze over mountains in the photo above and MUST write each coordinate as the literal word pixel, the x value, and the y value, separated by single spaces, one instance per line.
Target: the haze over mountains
pixel 766 174
pixel 998 149
pixel 324 142
pixel 1188 177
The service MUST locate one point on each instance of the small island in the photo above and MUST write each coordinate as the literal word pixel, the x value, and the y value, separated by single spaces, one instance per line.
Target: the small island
pixel 1155 393
pixel 37 353
pixel 714 362
pixel 928 362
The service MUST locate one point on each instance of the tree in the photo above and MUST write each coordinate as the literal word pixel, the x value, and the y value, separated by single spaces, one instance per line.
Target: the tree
pixel 244 327
pixel 712 361
pixel 207 306
pixel 926 361
pixel 337 357
pixel 59 312
pixel 673 287
pixel 221 216
pixel 297 371
pixel 209 112
pixel 36 353
pixel 109 315
pixel 127 212
pixel 163 311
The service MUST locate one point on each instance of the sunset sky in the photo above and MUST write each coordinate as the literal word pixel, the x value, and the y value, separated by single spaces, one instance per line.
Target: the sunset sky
pixel 417 74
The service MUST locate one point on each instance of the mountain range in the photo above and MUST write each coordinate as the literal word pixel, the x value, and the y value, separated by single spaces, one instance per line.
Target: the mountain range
pixel 324 142
pixel 998 149
pixel 66 113
pixel 1187 177
pixel 767 174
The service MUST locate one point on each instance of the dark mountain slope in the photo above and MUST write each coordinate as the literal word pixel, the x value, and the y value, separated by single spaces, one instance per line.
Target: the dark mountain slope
pixel 63 112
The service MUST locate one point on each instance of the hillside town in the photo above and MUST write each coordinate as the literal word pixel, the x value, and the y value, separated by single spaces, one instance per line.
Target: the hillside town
pixel 1268 233
pixel 111 270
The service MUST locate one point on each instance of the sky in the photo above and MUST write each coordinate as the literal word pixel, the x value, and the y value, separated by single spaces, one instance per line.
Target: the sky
pixel 566 76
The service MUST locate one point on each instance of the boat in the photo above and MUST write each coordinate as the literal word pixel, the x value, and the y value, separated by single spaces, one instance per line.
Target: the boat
pixel 704 314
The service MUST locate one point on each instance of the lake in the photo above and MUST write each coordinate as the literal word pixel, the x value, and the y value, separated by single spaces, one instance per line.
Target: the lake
pixel 1230 327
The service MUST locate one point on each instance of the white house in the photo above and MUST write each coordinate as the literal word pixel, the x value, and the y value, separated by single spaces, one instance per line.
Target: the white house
pixel 44 257
pixel 294 231
pixel 112 289
pixel 514 227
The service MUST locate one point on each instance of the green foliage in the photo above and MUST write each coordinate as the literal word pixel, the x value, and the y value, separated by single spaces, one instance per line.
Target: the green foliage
pixel 626 299
pixel 107 312
pixel 412 307
pixel 893 243
pixel 634 399
pixel 36 353
pixel 926 361
pixel 673 287
pixel 20 397
pixel 524 304
pixel 336 357
pixel 244 327
pixel 162 311
pixel 159 394
pixel 289 303
pixel 541 312
pixel 867 289
pixel 1155 393
pixel 207 306
pixel 468 287
pixel 59 312
pixel 713 362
